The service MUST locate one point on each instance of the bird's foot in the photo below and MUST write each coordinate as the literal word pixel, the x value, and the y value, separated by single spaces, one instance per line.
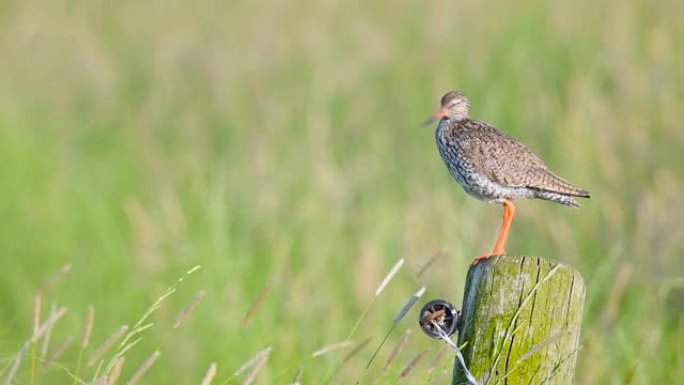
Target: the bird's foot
pixel 484 256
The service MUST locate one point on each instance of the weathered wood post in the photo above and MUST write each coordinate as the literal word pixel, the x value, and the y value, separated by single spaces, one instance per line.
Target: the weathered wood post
pixel 520 322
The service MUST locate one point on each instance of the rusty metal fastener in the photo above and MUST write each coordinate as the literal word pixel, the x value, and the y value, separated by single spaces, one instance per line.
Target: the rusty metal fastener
pixel 438 313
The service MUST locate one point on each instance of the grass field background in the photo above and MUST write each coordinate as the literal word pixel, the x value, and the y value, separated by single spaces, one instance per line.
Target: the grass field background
pixel 279 144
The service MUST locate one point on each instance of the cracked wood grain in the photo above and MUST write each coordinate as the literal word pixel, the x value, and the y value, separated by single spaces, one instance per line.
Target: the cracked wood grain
pixel 521 321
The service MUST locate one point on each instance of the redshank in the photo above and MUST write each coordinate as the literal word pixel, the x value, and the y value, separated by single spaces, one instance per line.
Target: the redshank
pixel 492 166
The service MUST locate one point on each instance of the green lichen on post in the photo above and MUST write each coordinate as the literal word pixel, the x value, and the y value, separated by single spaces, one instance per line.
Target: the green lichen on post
pixel 521 321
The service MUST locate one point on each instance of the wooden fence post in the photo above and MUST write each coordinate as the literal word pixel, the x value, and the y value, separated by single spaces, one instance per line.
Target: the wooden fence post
pixel 520 322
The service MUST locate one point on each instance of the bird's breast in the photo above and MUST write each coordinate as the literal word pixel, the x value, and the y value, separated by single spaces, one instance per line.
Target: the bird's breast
pixel 461 166
pixel 451 152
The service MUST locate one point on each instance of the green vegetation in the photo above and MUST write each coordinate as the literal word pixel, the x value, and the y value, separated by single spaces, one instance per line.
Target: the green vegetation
pixel 281 142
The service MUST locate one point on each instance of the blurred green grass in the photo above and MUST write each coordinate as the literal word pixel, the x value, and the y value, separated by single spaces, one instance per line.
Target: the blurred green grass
pixel 282 141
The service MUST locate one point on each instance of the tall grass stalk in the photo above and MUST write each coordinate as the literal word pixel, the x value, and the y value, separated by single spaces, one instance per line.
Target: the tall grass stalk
pixel 402 313
pixel 381 287
pixel 133 337
pixel 85 341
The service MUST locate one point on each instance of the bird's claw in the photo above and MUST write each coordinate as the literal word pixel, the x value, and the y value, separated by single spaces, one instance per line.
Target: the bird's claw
pixel 484 256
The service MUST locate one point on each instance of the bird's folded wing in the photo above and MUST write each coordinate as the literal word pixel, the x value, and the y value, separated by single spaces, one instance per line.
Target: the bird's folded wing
pixel 509 162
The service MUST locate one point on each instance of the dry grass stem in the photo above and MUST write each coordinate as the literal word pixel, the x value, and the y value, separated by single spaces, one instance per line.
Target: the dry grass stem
pixel 209 376
pixel 396 321
pixel 143 368
pixel 132 338
pixel 258 302
pixel 115 373
pixel 252 361
pixel 107 344
pixel 48 332
pixel 88 327
pixel 389 276
pixel 37 304
pixel 298 376
pixel 257 367
pixel 441 252
pixel 42 329
pixel 61 348
pixel 85 340
pixel 15 365
pixel 50 282
pixel 397 349
pixel 330 348
pixel 189 308
pixel 413 363
pixel 357 349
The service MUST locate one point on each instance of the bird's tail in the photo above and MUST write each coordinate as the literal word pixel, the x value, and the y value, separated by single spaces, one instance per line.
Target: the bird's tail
pixel 554 188
pixel 552 183
pixel 566 200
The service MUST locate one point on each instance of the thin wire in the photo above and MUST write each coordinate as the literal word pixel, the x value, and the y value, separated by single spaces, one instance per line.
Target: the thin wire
pixel 443 335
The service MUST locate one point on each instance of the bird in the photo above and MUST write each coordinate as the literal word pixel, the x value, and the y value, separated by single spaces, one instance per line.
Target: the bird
pixel 494 167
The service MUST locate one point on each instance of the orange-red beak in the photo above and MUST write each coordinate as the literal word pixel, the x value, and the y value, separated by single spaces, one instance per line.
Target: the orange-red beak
pixel 437 115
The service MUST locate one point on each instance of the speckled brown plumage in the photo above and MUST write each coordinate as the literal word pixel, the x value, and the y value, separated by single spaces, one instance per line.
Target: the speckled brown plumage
pixel 492 166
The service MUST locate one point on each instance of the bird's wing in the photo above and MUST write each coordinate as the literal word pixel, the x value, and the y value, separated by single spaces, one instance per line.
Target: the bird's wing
pixel 505 160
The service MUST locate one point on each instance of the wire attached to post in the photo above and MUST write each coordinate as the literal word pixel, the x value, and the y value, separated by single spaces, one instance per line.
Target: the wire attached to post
pixel 443 335
pixel 439 319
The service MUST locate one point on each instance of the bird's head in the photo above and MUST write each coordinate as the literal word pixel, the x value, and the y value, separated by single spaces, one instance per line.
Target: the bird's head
pixel 455 106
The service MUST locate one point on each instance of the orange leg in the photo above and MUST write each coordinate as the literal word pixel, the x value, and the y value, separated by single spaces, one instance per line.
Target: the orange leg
pixel 509 212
